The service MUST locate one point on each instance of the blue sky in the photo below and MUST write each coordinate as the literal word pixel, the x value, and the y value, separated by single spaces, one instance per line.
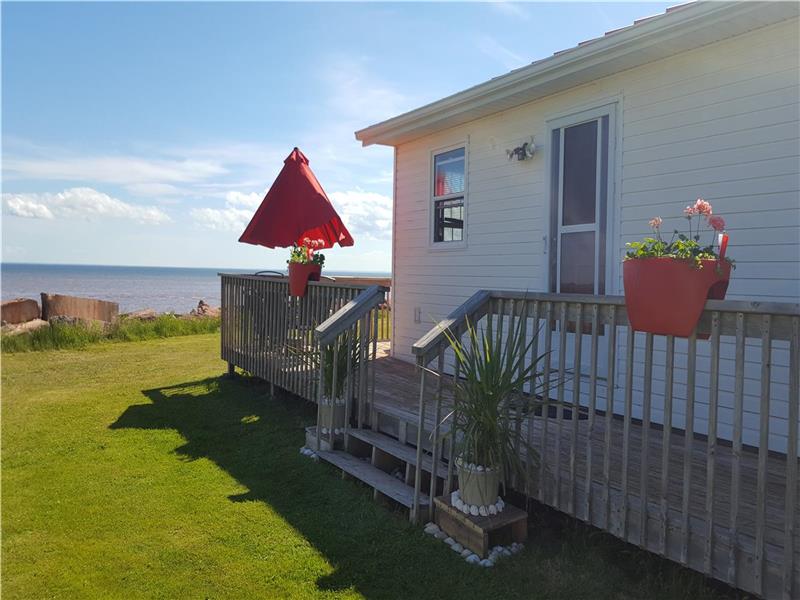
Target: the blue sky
pixel 147 133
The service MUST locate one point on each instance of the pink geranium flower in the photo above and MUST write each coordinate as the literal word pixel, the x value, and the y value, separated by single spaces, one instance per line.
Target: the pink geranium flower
pixel 689 211
pixel 717 223
pixel 701 207
pixel 656 222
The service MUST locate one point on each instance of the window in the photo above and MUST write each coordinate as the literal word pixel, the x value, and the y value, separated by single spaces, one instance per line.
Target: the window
pixel 579 203
pixel 449 174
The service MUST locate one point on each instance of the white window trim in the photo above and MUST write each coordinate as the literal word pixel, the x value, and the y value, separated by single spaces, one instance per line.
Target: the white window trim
pixel 447 246
pixel 612 110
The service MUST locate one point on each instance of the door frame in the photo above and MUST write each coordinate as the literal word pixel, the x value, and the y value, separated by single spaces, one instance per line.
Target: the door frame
pixel 610 108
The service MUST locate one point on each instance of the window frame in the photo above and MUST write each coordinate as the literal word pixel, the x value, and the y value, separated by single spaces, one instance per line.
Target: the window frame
pixel 433 198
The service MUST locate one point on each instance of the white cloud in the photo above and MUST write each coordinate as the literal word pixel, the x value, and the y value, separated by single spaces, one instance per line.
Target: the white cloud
pixel 251 200
pixel 222 219
pixel 22 206
pixel 495 50
pixel 126 170
pixel 365 214
pixel 238 210
pixel 511 9
pixel 80 203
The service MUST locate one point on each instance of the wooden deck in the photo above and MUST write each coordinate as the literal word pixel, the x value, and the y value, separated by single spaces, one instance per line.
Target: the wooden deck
pixel 585 476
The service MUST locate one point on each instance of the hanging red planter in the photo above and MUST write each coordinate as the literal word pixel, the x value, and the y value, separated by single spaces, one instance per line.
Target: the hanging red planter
pixel 667 295
pixel 299 276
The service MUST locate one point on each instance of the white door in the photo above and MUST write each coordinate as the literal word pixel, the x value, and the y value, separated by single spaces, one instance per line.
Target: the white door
pixel 581 192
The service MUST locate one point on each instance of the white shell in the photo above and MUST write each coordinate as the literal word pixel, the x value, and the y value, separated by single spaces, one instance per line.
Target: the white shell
pixel 499 507
pixel 464 508
pixel 492 509
pixel 473 510
pixel 457 547
pixel 473 559
pixel 449 541
pixel 482 511
pixel 440 535
pixel 454 498
pixel 486 563
pixel 479 469
pixel 501 503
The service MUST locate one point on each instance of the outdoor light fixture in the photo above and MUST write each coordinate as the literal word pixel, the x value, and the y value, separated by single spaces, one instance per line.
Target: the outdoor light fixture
pixel 523 152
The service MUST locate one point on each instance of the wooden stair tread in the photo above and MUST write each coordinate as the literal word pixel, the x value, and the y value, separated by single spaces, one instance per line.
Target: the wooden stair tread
pixel 374 477
pixel 397 449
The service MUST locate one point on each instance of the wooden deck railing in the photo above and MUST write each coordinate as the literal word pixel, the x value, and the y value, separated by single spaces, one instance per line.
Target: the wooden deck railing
pixel 270 334
pixel 348 343
pixel 688 448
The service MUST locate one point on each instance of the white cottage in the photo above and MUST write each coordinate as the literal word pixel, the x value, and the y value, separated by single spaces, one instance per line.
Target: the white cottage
pixel 701 101
pixel 513 201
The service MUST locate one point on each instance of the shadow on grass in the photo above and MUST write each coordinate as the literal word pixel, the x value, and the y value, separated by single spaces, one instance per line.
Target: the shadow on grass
pixel 256 440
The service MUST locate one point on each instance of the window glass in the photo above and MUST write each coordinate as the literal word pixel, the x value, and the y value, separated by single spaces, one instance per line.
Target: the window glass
pixel 448 220
pixel 577 263
pixel 448 173
pixel 580 171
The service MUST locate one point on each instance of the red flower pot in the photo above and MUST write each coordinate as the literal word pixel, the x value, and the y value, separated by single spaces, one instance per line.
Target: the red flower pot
pixel 667 295
pixel 300 275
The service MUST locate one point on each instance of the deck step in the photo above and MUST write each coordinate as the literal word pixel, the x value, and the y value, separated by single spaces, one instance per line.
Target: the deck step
pixel 374 477
pixel 398 449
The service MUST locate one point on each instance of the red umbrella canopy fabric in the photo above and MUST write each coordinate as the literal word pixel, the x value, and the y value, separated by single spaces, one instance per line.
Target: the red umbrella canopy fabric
pixel 296 207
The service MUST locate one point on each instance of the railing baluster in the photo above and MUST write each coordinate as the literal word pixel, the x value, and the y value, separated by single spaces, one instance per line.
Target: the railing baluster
pixel 519 406
pixel 626 435
pixel 592 410
pixel 763 452
pixel 736 448
pixel 688 448
pixel 562 359
pixel 420 438
pixel 576 403
pixel 362 368
pixel 534 376
pixel 437 415
pixel 609 416
pixel 711 447
pixel 644 460
pixel 348 398
pixel 666 441
pixel 548 346
pixel 791 461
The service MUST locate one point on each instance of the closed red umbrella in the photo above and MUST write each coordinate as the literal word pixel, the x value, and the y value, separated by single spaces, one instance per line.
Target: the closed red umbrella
pixel 296 207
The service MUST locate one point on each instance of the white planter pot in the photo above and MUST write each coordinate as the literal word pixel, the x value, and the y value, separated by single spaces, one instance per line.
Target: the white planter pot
pixel 338 408
pixel 478 487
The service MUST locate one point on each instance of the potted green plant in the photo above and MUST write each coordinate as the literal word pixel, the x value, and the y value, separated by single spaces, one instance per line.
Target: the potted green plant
pixel 305 264
pixel 490 400
pixel 667 283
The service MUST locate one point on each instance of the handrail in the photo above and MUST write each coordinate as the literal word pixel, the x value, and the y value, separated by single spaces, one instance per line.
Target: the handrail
pixel 349 314
pixel 426 346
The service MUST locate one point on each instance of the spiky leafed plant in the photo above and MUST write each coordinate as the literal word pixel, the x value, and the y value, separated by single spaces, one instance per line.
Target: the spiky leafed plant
pixel 490 398
pixel 344 347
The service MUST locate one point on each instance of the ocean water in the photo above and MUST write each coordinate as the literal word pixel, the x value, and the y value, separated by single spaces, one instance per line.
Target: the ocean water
pixel 165 289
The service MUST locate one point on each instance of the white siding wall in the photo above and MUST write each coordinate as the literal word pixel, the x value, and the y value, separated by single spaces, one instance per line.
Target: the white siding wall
pixel 721 122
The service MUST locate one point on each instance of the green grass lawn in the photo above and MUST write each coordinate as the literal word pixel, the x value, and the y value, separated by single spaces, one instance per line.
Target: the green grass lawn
pixel 132 470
